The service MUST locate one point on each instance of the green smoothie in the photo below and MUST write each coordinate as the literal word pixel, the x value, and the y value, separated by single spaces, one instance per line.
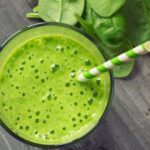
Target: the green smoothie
pixel 41 100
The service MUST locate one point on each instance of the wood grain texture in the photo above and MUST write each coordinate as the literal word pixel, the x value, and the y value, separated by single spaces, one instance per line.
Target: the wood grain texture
pixel 127 124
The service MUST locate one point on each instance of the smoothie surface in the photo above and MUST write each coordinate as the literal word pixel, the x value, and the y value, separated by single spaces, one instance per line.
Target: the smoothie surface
pixel 40 98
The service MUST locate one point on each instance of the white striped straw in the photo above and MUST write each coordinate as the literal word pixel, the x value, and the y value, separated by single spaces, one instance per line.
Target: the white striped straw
pixel 116 61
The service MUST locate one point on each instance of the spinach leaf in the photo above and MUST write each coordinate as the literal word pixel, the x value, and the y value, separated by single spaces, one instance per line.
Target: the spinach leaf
pixel 137 15
pixel 111 34
pixel 88 13
pixel 111 30
pixel 35 9
pixel 87 26
pixel 61 10
pixel 106 8
pixel 32 15
pixel 123 70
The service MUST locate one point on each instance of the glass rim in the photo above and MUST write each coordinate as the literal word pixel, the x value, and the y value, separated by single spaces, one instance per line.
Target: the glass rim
pixel 111 93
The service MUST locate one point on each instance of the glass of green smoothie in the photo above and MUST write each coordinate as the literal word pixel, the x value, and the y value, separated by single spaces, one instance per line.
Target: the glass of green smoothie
pixel 41 101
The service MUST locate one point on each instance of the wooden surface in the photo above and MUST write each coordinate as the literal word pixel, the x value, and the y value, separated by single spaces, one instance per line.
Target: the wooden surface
pixel 127 124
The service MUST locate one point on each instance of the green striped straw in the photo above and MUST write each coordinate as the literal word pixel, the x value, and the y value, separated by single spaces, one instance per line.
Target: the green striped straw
pixel 116 61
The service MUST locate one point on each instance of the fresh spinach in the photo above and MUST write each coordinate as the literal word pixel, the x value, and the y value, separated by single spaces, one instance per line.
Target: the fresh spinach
pixel 111 34
pixel 123 70
pixel 137 15
pixel 36 9
pixel 32 15
pixel 106 8
pixel 87 26
pixel 60 10
pixel 88 13
pixel 111 30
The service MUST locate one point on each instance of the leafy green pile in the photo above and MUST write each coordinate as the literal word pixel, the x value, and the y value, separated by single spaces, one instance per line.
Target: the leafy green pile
pixel 58 10
pixel 117 25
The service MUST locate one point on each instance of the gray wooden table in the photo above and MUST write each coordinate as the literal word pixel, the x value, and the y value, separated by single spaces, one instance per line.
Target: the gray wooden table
pixel 127 124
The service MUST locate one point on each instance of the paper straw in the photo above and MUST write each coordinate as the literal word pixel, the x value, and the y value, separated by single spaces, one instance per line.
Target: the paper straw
pixel 116 61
